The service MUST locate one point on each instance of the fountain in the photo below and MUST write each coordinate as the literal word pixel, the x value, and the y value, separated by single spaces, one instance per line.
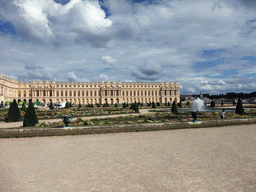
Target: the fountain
pixel 198 105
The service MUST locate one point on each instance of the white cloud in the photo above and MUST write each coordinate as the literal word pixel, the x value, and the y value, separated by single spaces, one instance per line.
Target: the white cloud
pixel 71 41
pixel 108 59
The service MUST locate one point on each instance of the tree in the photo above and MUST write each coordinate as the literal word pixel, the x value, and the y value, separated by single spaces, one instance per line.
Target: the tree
pixel 66 105
pixel 180 104
pixel 23 108
pixel 168 104
pixel 136 109
pixel 222 102
pixel 30 118
pixel 188 103
pixel 51 106
pixel 153 105
pixel 212 103
pixel 174 108
pixel 116 105
pixel 14 112
pixel 239 107
pixel 157 104
pixel 234 102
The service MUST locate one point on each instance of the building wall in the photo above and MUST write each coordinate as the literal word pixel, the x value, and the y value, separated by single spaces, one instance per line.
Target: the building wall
pixel 84 93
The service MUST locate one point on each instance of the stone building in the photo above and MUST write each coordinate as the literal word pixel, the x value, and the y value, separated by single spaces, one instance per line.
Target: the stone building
pixel 85 92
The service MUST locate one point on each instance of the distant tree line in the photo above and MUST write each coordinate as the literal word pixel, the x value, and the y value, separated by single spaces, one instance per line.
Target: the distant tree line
pixel 231 95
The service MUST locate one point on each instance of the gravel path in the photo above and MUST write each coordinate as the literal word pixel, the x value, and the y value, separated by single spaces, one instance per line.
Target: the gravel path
pixel 20 123
pixel 187 160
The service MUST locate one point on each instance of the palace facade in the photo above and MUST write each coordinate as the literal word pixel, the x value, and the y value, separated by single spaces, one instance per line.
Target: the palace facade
pixel 87 93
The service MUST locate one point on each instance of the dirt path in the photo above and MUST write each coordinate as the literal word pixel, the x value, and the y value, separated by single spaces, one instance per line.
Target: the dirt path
pixel 20 123
pixel 212 159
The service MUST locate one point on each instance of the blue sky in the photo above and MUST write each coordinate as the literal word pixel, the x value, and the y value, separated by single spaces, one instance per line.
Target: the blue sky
pixel 207 46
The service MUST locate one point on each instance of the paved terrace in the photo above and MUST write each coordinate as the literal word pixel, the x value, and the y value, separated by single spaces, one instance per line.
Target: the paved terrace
pixel 188 160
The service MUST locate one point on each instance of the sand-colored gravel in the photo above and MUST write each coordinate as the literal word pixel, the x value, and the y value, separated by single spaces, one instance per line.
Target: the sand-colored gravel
pixel 212 159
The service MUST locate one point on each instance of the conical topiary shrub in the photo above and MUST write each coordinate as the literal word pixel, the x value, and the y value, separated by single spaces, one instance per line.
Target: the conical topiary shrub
pixel 136 108
pixel 174 107
pixel 23 108
pixel 51 106
pixel 212 103
pixel 14 112
pixel 30 118
pixel 239 107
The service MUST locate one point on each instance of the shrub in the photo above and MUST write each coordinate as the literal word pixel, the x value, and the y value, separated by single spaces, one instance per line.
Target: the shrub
pixel 51 106
pixel 153 105
pixel 168 104
pixel 79 119
pixel 136 109
pixel 23 108
pixel 222 102
pixel 30 118
pixel 234 102
pixel 239 107
pixel 188 103
pixel 212 103
pixel 14 112
pixel 174 108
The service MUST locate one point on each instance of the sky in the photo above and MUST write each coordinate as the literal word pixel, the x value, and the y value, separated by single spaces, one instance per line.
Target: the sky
pixel 208 46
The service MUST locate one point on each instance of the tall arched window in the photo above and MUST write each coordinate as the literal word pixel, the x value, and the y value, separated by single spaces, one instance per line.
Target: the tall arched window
pixel 70 93
pixel 57 93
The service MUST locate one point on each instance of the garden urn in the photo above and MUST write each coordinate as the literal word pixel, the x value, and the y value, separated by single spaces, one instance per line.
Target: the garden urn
pixel 67 119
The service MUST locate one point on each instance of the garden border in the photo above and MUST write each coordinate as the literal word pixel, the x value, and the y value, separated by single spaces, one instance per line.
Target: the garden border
pixel 38 132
